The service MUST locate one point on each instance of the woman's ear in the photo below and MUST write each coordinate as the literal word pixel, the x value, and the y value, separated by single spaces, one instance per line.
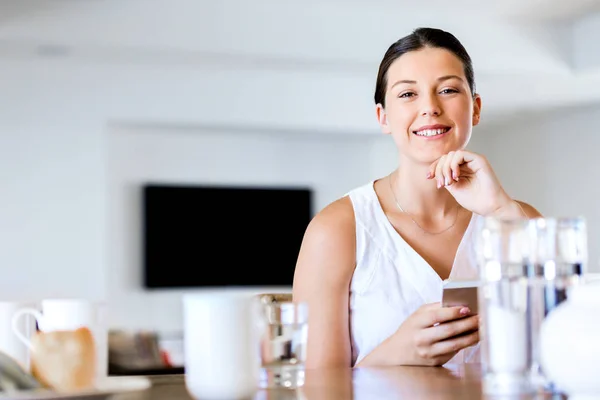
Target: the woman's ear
pixel 382 119
pixel 476 109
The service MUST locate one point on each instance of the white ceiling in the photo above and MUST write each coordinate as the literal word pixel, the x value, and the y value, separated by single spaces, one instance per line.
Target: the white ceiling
pixel 528 54
pixel 525 10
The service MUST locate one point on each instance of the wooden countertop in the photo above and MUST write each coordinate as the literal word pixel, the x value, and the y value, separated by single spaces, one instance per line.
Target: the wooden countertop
pixel 447 383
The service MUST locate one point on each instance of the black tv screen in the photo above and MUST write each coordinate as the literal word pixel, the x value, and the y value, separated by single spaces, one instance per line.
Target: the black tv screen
pixel 215 236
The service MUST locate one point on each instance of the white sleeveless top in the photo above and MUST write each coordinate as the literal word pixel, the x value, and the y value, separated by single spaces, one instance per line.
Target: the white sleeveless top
pixel 391 280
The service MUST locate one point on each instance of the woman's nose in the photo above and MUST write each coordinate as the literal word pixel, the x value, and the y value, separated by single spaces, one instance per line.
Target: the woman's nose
pixel 431 107
pixel 431 112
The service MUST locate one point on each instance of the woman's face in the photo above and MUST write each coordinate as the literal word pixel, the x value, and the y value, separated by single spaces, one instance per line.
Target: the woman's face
pixel 429 110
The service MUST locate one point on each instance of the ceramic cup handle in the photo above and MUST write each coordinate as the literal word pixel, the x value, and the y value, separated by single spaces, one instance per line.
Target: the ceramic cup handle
pixel 15 323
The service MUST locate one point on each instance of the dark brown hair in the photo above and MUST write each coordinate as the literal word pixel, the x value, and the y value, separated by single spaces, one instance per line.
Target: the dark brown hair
pixel 418 39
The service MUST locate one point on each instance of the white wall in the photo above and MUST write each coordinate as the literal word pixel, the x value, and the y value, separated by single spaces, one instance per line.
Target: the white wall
pixel 52 197
pixel 551 161
pixel 54 115
pixel 331 165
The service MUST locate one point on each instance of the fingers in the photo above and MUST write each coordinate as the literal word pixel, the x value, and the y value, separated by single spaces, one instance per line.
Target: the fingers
pixel 454 164
pixel 455 344
pixel 431 171
pixel 431 315
pixel 450 329
pixel 442 171
pixel 430 306
pixel 443 332
pixel 439 174
pixel 446 170
pixel 451 167
pixel 449 175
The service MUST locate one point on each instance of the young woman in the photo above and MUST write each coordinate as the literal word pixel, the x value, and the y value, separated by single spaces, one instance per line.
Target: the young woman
pixel 372 263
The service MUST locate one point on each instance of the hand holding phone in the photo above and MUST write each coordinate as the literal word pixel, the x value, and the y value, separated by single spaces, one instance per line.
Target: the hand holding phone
pixel 433 334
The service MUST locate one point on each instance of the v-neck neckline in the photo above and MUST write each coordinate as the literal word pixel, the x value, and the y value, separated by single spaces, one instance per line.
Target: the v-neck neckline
pixel 402 242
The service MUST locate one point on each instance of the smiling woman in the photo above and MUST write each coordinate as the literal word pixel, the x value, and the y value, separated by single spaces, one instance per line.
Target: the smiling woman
pixel 372 263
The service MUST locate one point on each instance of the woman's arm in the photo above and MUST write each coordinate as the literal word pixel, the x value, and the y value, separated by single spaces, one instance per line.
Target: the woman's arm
pixel 322 279
pixel 517 209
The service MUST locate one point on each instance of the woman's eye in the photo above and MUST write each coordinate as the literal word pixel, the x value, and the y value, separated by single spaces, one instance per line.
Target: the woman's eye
pixel 406 95
pixel 449 91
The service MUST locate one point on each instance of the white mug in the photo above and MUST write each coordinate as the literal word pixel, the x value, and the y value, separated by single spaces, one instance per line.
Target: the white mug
pixel 69 314
pixel 220 345
pixel 9 343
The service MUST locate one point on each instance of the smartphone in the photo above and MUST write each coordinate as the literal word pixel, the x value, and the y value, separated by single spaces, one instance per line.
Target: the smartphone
pixel 461 293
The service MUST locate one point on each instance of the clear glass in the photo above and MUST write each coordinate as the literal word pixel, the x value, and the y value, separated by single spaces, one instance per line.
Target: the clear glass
pixel 557 261
pixel 503 249
pixel 283 328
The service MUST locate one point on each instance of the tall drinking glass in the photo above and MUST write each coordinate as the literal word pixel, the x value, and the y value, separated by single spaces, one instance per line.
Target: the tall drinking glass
pixel 503 250
pixel 558 259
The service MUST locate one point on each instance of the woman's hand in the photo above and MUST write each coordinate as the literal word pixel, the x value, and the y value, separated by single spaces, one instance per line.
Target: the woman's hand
pixel 432 335
pixel 471 181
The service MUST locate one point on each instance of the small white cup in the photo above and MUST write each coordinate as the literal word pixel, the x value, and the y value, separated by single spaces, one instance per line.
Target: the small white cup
pixel 9 343
pixel 220 345
pixel 69 314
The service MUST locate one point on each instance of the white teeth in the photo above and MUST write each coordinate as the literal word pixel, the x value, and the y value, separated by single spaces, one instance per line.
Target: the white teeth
pixel 431 132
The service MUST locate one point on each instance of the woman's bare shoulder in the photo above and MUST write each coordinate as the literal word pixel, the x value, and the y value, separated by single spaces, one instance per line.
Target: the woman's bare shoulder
pixel 328 247
pixel 334 222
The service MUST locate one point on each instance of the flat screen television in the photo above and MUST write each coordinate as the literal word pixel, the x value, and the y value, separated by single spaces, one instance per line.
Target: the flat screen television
pixel 216 236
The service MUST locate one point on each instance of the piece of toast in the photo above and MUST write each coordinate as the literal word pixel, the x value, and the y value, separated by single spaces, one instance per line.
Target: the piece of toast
pixel 64 361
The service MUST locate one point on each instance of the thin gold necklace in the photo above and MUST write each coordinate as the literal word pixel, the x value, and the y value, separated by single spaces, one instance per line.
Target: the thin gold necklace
pixel 411 216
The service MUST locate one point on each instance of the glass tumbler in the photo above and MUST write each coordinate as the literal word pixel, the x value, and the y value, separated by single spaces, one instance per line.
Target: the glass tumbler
pixel 283 326
pixel 558 259
pixel 503 250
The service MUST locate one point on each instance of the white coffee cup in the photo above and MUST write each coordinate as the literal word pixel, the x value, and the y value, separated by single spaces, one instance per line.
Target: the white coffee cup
pixel 69 314
pixel 220 345
pixel 9 343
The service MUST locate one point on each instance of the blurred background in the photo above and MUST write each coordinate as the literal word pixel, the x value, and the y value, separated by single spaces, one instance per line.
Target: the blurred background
pixel 99 97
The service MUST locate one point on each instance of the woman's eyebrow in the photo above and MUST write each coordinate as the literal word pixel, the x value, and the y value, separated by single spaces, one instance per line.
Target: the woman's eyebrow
pixel 440 79
pixel 410 82
pixel 446 77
